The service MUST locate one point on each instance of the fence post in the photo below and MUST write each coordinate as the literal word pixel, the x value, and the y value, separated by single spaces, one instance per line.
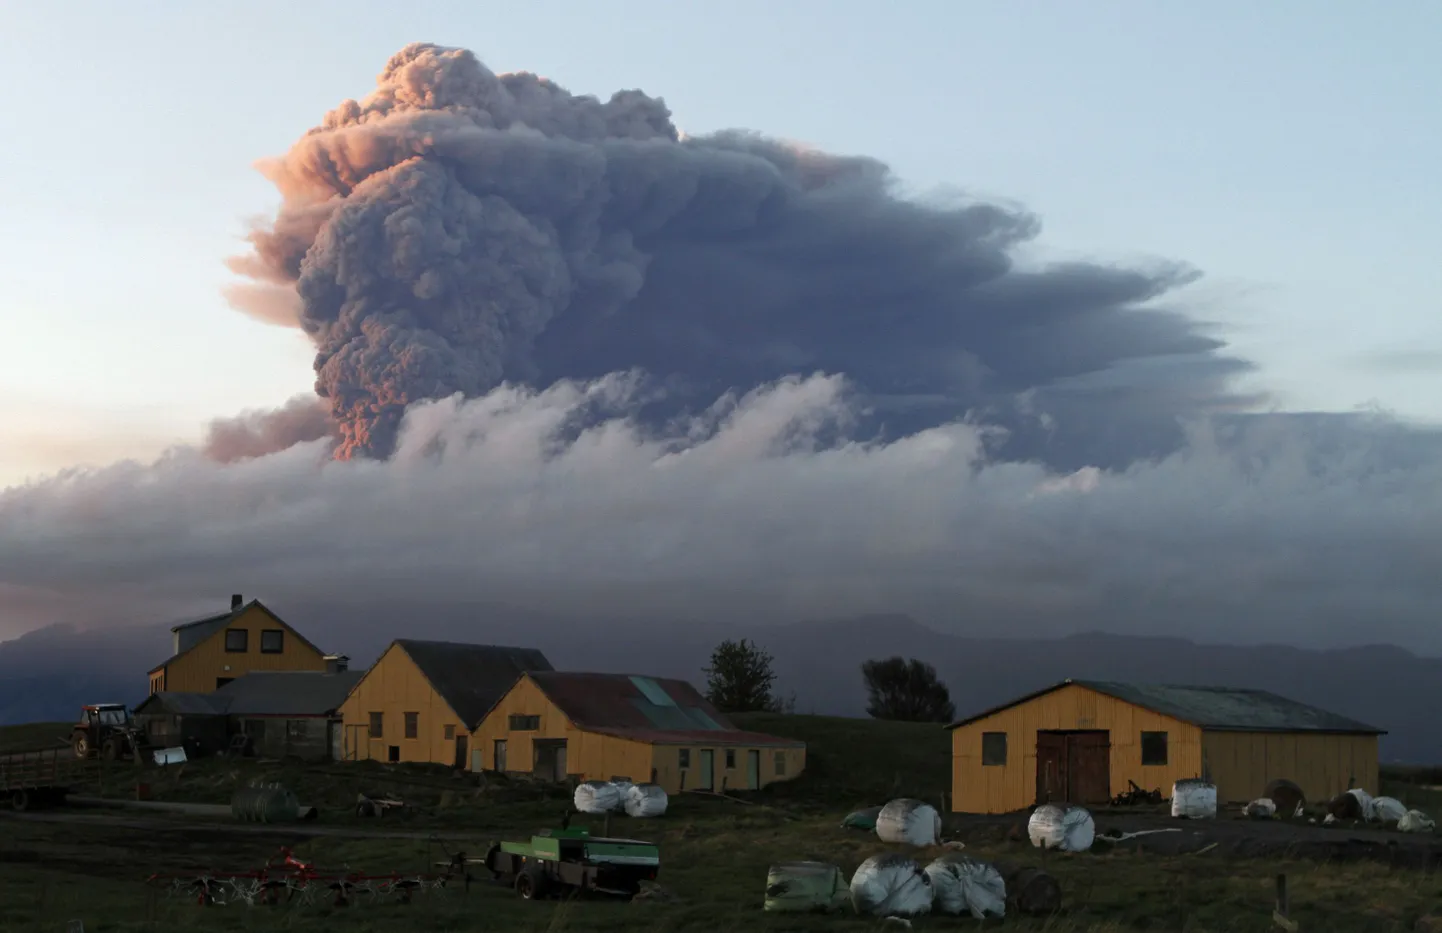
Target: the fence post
pixel 1280 912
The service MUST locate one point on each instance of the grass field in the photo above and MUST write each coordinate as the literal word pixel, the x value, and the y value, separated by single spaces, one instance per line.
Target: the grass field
pixel 715 854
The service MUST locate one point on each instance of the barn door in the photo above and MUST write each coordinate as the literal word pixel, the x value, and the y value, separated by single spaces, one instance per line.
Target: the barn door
pixel 461 742
pixel 1050 767
pixel 1088 769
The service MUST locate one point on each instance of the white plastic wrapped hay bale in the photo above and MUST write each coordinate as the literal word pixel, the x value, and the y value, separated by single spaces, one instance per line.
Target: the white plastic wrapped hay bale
pixel 1070 829
pixel 962 885
pixel 1194 799
pixel 646 800
pixel 1263 808
pixel 622 789
pixel 1388 809
pixel 1365 803
pixel 910 821
pixel 891 885
pixel 1415 821
pixel 597 797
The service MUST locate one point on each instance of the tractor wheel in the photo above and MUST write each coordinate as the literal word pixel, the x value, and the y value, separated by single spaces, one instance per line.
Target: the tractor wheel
pixel 20 800
pixel 110 751
pixel 531 883
pixel 81 746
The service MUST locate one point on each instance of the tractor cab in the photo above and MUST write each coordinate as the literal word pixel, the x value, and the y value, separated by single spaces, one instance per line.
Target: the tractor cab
pixel 106 728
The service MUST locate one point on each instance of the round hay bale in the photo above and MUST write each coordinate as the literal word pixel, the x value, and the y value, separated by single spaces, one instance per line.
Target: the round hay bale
pixel 1345 806
pixel 1287 796
pixel 1032 891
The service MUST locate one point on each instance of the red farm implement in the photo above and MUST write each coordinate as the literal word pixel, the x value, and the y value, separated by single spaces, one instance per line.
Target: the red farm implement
pixel 286 879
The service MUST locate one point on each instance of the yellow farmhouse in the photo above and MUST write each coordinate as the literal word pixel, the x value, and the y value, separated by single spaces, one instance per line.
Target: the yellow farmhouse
pixel 558 724
pixel 421 699
pixel 1083 741
pixel 209 653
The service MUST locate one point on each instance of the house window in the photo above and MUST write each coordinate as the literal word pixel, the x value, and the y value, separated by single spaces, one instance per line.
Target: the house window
pixel 413 728
pixel 780 764
pixel 222 681
pixel 237 640
pixel 450 733
pixel 993 748
pixel 683 758
pixel 1154 748
pixel 294 729
pixel 730 758
pixel 393 754
pixel 377 725
pixel 525 723
pixel 272 641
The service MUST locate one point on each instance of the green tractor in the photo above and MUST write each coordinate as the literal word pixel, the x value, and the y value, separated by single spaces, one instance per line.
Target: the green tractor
pixel 566 861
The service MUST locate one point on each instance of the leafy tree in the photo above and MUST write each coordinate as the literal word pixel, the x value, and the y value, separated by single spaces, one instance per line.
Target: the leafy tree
pixel 740 678
pixel 905 690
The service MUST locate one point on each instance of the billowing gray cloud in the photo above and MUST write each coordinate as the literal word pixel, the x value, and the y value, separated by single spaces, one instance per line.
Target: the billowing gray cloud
pixel 257 433
pixel 1311 531
pixel 457 228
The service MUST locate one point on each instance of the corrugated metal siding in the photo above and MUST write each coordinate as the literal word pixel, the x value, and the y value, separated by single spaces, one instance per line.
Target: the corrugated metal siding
pixel 1242 763
pixel 196 671
pixel 1006 788
pixel 393 687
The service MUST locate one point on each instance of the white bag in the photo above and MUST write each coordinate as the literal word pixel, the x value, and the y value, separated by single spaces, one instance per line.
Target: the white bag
pixel 891 885
pixel 1070 830
pixel 909 821
pixel 1261 809
pixel 1194 799
pixel 962 885
pixel 1415 821
pixel 597 797
pixel 646 800
pixel 1388 809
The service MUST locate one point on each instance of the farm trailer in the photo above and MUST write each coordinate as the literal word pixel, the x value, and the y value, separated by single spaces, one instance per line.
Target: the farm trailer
pixel 39 778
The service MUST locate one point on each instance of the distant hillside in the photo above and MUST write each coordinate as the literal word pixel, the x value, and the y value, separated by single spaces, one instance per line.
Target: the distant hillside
pixel 47 674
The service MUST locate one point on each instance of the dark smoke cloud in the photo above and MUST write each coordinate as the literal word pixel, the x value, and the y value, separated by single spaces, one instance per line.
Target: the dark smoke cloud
pixel 458 228
pixel 257 433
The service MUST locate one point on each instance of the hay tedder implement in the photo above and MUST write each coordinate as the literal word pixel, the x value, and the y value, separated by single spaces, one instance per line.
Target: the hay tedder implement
pixel 286 879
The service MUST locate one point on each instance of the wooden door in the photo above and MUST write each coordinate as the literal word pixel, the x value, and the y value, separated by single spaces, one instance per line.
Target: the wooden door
pixel 1050 767
pixel 549 759
pixel 461 741
pixel 500 759
pixel 708 770
pixel 1088 767
pixel 753 770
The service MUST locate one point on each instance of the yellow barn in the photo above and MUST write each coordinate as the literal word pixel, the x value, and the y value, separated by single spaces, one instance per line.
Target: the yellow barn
pixel 1084 742
pixel 211 652
pixel 557 725
pixel 421 700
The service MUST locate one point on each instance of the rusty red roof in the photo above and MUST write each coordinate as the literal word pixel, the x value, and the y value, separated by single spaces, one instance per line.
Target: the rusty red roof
pixel 657 710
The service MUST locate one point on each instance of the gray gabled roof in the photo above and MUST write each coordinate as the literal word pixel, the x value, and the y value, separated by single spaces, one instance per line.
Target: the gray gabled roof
pixel 190 634
pixel 288 693
pixel 177 703
pixel 471 678
pixel 1224 709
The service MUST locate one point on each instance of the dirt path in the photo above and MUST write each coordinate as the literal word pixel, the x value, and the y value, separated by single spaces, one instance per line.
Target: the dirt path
pixel 182 825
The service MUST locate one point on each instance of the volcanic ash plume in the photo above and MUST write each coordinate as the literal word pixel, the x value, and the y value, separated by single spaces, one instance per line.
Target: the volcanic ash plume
pixel 457 229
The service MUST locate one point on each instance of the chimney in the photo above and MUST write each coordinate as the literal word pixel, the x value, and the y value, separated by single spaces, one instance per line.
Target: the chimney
pixel 235 602
pixel 336 663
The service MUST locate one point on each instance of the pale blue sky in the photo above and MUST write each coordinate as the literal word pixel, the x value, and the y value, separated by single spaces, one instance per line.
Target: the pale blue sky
pixel 1289 149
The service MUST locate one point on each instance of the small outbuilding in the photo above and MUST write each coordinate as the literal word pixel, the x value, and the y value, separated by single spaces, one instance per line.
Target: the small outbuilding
pixel 556 725
pixel 421 699
pixel 1086 741
pixel 282 714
